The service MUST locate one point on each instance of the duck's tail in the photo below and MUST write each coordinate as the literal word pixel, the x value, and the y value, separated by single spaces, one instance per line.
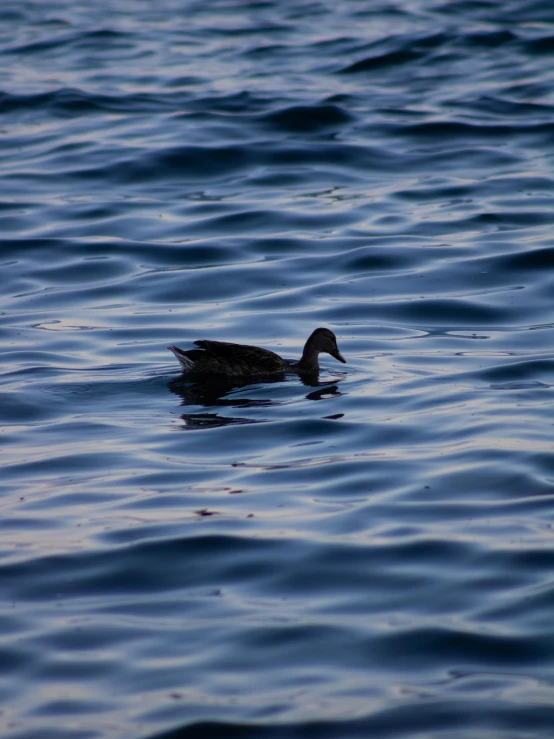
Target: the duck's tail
pixel 186 362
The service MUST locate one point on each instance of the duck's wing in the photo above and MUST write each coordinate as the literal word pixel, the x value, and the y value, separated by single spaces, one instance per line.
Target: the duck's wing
pixel 243 354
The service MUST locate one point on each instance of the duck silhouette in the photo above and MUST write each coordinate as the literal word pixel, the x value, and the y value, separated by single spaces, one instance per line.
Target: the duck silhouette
pixel 225 359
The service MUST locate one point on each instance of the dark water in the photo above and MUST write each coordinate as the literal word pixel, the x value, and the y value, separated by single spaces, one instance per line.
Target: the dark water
pixel 372 555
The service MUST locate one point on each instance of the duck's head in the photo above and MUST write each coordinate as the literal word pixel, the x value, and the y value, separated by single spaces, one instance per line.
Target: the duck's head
pixel 323 340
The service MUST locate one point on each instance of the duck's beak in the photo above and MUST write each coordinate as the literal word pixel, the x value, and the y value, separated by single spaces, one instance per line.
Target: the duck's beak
pixel 338 356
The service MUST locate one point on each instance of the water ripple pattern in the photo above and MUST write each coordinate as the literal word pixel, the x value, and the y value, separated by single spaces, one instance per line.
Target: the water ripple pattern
pixel 367 553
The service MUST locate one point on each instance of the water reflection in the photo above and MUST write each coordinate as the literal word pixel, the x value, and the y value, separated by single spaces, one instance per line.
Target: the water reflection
pixel 218 392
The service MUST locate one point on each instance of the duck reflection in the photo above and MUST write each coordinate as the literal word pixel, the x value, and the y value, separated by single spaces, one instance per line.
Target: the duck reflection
pixel 221 393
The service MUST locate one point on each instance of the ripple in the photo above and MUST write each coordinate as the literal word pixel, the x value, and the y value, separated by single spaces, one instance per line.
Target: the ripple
pixel 308 119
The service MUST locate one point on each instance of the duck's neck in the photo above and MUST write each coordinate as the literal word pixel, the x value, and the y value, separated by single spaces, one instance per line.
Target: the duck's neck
pixel 309 359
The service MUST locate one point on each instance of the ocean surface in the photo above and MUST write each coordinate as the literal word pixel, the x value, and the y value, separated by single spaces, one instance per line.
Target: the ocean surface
pixel 369 553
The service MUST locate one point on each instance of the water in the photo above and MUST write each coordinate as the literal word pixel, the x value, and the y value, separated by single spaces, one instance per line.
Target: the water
pixel 371 554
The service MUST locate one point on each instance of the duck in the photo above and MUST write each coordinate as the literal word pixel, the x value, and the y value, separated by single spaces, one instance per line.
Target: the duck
pixel 222 358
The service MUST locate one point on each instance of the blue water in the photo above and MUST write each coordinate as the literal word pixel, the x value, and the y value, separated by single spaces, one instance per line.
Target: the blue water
pixel 368 554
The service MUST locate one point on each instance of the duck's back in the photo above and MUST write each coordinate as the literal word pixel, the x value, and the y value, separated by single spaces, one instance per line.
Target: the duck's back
pixel 225 358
